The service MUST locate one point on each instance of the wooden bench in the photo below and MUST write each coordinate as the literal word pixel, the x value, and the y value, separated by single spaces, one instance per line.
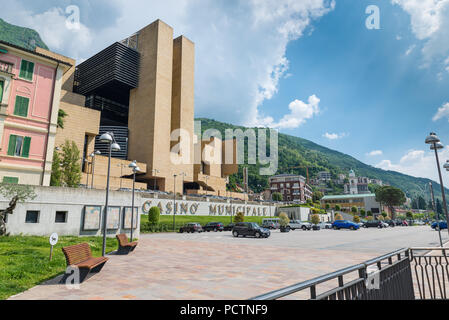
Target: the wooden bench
pixel 124 246
pixel 80 256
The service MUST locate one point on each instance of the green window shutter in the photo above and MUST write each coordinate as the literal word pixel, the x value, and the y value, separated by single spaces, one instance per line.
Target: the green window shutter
pixel 2 84
pixel 21 106
pixel 26 70
pixel 12 145
pixel 26 147
pixel 11 180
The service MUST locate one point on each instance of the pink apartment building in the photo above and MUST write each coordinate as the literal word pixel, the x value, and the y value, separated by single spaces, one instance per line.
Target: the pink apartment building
pixel 30 90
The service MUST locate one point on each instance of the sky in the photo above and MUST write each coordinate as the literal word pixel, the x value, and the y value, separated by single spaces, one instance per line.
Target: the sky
pixel 310 68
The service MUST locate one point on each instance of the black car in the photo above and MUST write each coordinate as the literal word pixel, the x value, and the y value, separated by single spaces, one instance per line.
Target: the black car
pixel 191 228
pixel 391 223
pixel 229 227
pixel 316 227
pixel 373 224
pixel 214 226
pixel 250 229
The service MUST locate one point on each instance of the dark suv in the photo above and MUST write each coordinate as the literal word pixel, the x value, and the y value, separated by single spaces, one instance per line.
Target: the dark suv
pixel 191 228
pixel 214 226
pixel 373 224
pixel 250 229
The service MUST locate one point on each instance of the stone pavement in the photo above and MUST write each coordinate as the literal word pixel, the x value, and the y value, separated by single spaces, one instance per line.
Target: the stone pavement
pixel 218 266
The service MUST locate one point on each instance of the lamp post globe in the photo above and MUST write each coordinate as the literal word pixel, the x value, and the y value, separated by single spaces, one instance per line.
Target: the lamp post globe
pixel 115 147
pixel 446 165
pixel 432 138
pixel 437 145
pixel 133 165
pixel 106 138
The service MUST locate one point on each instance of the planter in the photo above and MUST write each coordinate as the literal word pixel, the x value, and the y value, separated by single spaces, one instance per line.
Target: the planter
pixel 285 229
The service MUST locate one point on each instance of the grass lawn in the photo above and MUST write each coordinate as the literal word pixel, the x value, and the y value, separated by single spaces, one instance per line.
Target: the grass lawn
pixel 24 261
pixel 167 221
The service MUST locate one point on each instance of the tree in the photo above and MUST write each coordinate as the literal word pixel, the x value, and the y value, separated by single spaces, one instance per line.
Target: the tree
pixel 409 215
pixel 362 212
pixel 239 217
pixel 283 219
pixel 390 196
pixel 61 115
pixel 71 169
pixel 337 207
pixel 56 171
pixel 277 196
pixel 328 206
pixel 439 207
pixel 384 214
pixel 315 219
pixel 17 193
pixel 354 209
pixel 154 215
pixel 369 214
pixel 356 219
pixel 317 195
pixel 421 203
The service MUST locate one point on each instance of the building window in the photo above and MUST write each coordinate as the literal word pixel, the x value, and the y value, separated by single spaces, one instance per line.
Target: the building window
pixel 32 217
pixel 19 146
pixel 11 180
pixel 61 217
pixel 26 70
pixel 2 85
pixel 21 106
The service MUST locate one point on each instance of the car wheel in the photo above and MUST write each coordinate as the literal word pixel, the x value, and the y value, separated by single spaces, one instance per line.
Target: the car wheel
pixel 304 228
pixel 215 230
pixel 235 234
pixel 352 228
pixel 257 235
pixel 181 231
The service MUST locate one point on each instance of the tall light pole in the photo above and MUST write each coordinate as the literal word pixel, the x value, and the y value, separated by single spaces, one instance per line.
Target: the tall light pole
pixel 435 144
pixel 108 138
pixel 155 172
pixel 135 169
pixel 93 155
pixel 434 208
pixel 174 201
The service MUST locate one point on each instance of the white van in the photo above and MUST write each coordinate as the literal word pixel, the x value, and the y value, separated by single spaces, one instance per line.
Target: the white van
pixel 273 220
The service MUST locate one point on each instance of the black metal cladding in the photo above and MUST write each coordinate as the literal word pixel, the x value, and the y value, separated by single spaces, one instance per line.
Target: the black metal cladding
pixel 110 73
pixel 121 137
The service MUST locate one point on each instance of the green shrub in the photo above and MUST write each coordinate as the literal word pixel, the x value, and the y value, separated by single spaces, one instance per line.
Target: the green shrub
pixel 328 206
pixel 283 219
pixel 369 218
pixel 354 210
pixel 153 215
pixel 337 207
pixel 369 214
pixel 239 217
pixel 338 217
pixel 315 219
pixel 380 217
pixel 362 212
pixel 356 219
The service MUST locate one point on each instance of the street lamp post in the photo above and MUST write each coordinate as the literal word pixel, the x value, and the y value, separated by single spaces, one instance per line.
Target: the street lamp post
pixel 174 201
pixel 436 144
pixel 108 138
pixel 135 169
pixel 434 208
pixel 93 155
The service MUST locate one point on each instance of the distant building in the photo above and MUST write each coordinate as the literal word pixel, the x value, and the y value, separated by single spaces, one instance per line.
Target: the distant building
pixel 360 201
pixel 292 187
pixel 357 185
pixel 324 176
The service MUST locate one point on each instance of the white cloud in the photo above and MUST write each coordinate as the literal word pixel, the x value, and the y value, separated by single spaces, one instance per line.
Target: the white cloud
pixel 429 22
pixel 299 112
pixel 240 45
pixel 419 163
pixel 442 112
pixel 410 50
pixel 375 153
pixel 334 136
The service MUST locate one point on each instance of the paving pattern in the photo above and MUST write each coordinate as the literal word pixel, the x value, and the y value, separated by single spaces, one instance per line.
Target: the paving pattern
pixel 218 266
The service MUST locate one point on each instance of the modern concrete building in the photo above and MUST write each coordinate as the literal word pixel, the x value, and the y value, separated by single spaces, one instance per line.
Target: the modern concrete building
pixel 142 90
pixel 30 91
pixel 360 201
pixel 292 187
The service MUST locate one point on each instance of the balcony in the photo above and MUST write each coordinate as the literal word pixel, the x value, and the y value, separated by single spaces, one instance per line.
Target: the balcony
pixel 6 67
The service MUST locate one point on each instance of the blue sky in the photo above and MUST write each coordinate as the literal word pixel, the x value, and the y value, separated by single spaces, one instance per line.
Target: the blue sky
pixel 310 68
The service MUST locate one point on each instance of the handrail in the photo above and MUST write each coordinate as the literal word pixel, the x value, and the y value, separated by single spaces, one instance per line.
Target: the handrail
pixel 276 294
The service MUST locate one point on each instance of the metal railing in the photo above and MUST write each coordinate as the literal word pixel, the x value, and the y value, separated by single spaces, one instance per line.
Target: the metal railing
pixel 388 277
pixel 6 66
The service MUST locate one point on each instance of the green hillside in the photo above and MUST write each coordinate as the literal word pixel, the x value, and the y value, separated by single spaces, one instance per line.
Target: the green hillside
pixel 23 37
pixel 295 151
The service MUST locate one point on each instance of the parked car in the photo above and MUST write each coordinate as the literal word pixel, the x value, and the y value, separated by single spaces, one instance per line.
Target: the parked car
pixel 316 227
pixel 274 220
pixel 269 225
pixel 391 223
pixel 229 227
pixel 344 224
pixel 296 224
pixel 442 225
pixel 419 223
pixel 385 225
pixel 191 228
pixel 214 226
pixel 374 224
pixel 325 225
pixel 250 229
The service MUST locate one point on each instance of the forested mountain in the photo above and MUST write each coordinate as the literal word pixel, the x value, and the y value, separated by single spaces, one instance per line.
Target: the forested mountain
pixel 295 151
pixel 20 36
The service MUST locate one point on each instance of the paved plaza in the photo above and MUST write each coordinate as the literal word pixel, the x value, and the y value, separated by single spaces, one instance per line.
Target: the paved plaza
pixel 218 266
